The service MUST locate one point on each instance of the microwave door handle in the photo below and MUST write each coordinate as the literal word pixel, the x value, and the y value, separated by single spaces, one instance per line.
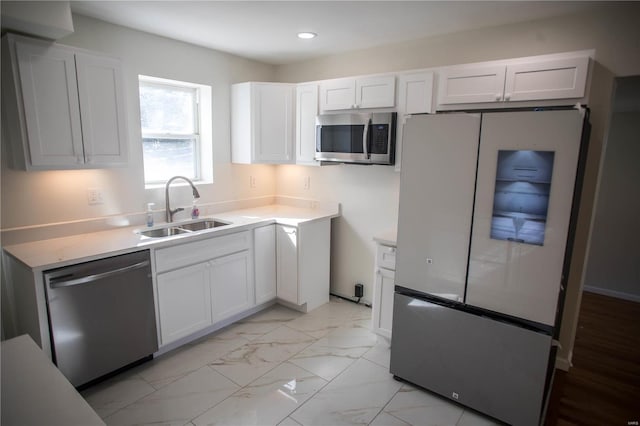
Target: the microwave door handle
pixel 365 138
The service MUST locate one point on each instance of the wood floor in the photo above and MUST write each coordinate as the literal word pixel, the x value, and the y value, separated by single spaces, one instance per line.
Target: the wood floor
pixel 603 386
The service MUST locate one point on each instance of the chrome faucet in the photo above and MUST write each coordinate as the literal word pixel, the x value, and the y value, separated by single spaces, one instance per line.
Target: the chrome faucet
pixel 168 212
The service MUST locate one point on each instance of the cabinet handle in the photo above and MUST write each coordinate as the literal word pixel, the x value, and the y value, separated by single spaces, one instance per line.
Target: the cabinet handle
pixel 392 250
pixel 79 159
pixel 498 96
pixel 507 96
pixel 89 159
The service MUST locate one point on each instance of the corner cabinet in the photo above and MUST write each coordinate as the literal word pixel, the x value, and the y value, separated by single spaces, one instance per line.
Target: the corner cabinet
pixel 262 123
pixel 302 264
pixel 355 93
pixel 528 79
pixel 64 107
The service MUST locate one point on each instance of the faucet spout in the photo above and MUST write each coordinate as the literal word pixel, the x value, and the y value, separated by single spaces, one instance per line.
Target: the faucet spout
pixel 168 212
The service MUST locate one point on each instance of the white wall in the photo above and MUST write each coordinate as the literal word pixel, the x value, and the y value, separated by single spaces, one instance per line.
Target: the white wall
pixel 369 200
pixel 612 30
pixel 37 198
pixel 613 267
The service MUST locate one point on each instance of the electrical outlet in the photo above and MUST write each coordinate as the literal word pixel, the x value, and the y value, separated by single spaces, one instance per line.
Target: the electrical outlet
pixel 94 196
pixel 252 181
pixel 307 182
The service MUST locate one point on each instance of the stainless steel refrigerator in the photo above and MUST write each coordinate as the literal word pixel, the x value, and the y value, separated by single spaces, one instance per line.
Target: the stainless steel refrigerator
pixel 488 203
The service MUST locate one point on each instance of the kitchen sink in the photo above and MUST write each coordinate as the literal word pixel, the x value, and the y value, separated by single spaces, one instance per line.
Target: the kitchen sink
pixel 182 228
pixel 163 232
pixel 202 224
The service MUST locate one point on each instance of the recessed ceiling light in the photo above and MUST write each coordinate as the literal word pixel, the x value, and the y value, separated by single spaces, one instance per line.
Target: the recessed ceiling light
pixel 306 35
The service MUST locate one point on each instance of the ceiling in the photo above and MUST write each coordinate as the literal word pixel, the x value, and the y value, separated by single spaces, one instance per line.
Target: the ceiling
pixel 266 30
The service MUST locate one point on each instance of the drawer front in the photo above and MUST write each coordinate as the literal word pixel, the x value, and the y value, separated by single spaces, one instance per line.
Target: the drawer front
pixel 199 251
pixel 386 257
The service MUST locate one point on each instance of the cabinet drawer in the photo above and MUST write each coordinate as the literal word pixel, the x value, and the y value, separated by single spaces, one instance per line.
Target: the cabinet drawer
pixel 386 257
pixel 200 251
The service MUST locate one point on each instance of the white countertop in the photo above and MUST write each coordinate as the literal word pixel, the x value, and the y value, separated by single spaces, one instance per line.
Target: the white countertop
pixel 57 252
pixel 34 392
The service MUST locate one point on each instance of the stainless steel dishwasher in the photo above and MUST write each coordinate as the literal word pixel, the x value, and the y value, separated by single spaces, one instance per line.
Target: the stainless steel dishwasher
pixel 101 315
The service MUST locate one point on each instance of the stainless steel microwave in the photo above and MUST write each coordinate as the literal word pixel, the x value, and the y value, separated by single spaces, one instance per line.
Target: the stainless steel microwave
pixel 363 138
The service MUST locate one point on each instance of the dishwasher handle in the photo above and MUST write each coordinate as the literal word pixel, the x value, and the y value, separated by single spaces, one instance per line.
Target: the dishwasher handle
pixel 63 281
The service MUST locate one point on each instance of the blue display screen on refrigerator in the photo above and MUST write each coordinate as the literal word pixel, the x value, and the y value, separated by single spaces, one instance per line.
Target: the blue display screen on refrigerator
pixel 521 197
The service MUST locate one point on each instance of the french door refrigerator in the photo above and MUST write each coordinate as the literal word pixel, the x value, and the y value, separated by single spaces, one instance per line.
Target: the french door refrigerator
pixel 486 217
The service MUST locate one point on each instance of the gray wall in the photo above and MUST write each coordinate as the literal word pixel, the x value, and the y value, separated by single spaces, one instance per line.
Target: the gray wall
pixel 613 266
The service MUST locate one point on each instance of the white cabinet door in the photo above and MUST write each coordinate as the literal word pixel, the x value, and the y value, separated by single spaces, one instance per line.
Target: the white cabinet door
pixel 265 263
pixel 306 112
pixel 416 93
pixel 287 263
pixel 51 107
pixel 550 79
pixel 184 301
pixel 262 120
pixel 338 94
pixel 376 92
pixel 102 110
pixel 273 123
pixel 471 84
pixel 231 285
pixel 383 302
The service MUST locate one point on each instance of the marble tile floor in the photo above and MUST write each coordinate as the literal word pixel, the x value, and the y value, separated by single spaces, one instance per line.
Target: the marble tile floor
pixel 277 367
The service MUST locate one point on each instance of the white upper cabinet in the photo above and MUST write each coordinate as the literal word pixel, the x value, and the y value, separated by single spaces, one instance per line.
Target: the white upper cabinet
pixel 64 106
pixel 415 93
pixel 551 79
pixel 354 93
pixel 101 106
pixel 306 111
pixel 262 121
pixel 526 79
pixel 471 84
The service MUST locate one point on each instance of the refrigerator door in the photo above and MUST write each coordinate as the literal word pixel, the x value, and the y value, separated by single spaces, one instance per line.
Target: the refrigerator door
pixel 526 175
pixel 488 365
pixel 436 200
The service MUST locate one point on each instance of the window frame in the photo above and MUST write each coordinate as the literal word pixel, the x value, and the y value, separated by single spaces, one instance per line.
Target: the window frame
pixel 197 95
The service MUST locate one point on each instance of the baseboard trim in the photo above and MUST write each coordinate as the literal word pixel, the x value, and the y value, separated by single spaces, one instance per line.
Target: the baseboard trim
pixel 612 293
pixel 563 363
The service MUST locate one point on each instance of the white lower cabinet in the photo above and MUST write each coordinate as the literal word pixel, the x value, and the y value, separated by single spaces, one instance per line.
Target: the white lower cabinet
pixel 193 296
pixel 382 313
pixel 184 301
pixel 231 286
pixel 264 260
pixel 302 264
pixel 287 263
pixel 205 284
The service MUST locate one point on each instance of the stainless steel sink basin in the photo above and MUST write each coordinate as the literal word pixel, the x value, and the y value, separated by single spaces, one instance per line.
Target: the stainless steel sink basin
pixel 163 232
pixel 182 228
pixel 203 224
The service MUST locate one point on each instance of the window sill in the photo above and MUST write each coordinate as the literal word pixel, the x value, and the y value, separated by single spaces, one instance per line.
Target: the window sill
pixel 176 183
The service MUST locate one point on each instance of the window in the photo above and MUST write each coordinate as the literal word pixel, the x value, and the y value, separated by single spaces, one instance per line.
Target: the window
pixel 173 122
